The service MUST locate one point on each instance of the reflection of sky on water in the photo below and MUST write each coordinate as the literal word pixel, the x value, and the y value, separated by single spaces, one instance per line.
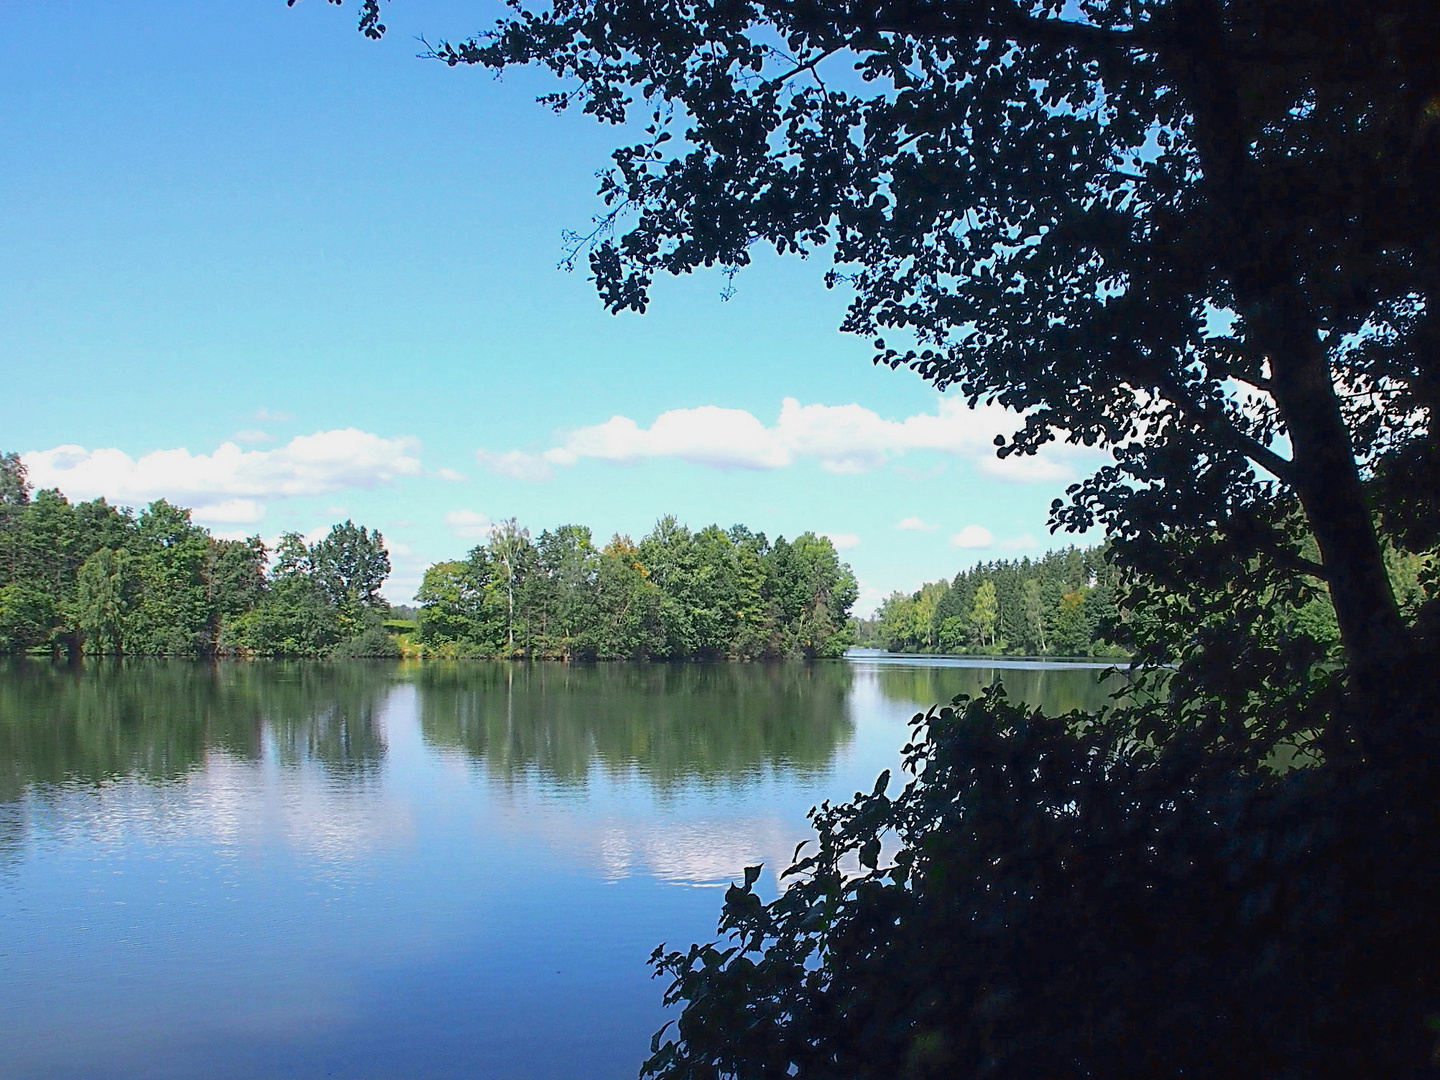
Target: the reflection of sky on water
pixel 350 885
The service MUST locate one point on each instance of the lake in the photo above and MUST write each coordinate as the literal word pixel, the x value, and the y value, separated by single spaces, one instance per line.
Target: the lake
pixel 405 870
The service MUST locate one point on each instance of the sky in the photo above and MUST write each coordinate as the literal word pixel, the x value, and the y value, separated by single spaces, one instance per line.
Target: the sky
pixel 261 266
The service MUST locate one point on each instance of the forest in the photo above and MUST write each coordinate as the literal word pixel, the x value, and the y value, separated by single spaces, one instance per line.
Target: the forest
pixel 98 579
pixel 1062 604
pixel 675 595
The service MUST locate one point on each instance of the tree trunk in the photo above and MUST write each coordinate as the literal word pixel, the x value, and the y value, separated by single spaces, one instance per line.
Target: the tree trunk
pixel 1328 483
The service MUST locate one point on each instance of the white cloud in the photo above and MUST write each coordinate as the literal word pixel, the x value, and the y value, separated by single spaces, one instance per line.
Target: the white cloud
pixel 972 536
pixel 454 476
pixel 468 525
pixel 840 438
pixel 869 600
pixel 842 541
pixel 230 512
pixel 1048 467
pixel 250 436
pixel 317 464
pixel 914 524
pixel 517 465
pixel 709 435
pixel 267 416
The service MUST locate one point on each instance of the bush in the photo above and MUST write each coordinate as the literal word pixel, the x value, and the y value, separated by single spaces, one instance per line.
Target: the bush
pixel 1063 901
pixel 374 642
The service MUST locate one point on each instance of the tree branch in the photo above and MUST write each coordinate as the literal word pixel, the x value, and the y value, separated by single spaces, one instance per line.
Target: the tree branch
pixel 781 79
pixel 1216 423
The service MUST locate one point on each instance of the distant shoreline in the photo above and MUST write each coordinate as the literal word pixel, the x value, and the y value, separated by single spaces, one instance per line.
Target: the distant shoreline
pixel 978 661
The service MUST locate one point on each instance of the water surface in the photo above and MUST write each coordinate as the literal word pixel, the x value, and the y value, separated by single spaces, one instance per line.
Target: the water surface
pixel 389 870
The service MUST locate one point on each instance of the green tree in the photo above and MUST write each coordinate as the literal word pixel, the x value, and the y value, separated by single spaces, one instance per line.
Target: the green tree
pixel 235 576
pixel 897 622
pixel 511 554
pixel 559 594
pixel 14 497
pixel 350 564
pixel 27 617
pixel 171 556
pixel 984 614
pixel 1072 631
pixel 453 613
pixel 628 625
pixel 752 616
pixel 1033 607
pixel 107 597
pixel 294 618
pixel 292 556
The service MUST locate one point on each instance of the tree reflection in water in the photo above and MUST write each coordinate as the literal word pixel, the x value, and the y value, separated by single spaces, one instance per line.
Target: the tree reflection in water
pixel 673 723
pixel 157 720
pixel 1057 688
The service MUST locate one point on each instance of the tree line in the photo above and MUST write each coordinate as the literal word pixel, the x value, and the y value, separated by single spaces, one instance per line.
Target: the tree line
pixel 1069 602
pixel 1062 604
pixel 101 580
pixel 675 595
pixel 96 579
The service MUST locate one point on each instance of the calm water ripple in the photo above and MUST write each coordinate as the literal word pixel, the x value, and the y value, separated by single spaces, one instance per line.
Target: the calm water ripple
pixel 377 870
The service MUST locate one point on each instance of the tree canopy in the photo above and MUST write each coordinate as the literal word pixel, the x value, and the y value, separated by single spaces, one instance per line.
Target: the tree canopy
pixel 676 595
pixel 99 579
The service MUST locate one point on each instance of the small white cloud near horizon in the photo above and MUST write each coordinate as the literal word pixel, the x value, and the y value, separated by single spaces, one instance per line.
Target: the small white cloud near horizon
pixel 318 464
pixel 454 476
pixel 252 436
pixel 842 541
pixel 1023 542
pixel 469 525
pixel 914 524
pixel 869 600
pixel 842 439
pixel 973 536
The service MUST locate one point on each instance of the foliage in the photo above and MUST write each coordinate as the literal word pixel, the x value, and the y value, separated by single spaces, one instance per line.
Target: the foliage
pixel 93 578
pixel 674 595
pixel 1046 899
pixel 350 564
pixel 1062 604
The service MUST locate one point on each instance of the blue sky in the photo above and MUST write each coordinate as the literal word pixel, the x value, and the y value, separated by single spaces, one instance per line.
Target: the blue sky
pixel 264 267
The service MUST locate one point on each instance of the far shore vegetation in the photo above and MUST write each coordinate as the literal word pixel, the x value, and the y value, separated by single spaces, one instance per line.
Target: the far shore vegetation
pixel 94 579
